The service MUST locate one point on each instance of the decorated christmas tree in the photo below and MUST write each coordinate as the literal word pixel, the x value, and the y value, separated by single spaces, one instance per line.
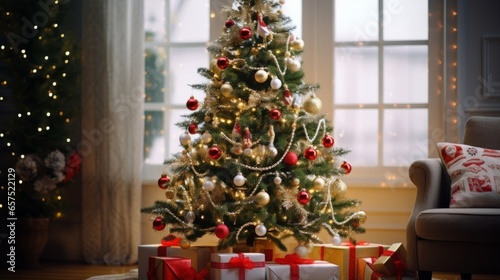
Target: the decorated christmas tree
pixel 265 163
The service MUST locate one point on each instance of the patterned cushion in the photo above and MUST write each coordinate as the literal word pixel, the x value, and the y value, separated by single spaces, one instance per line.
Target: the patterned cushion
pixel 475 174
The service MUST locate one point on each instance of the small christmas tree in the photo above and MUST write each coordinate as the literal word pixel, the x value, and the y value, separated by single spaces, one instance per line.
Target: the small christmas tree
pixel 265 163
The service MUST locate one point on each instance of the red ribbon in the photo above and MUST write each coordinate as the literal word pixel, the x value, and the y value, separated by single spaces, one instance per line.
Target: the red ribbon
pixel 191 274
pixel 398 263
pixel 293 260
pixel 241 262
pixel 172 242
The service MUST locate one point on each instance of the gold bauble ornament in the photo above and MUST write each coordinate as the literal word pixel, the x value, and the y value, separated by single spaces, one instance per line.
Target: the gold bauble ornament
pixel 262 198
pixel 312 105
pixel 214 68
pixel 184 243
pixel 169 194
pixel 226 89
pixel 297 44
pixel 339 187
pixel 261 76
pixel 319 183
pixel 362 217
pixel 296 181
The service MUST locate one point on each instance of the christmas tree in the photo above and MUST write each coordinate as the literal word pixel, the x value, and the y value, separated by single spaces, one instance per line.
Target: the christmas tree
pixel 39 76
pixel 265 164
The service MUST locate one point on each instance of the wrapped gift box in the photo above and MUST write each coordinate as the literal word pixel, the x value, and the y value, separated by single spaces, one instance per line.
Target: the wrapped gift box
pixel 146 251
pixel 241 266
pixel 199 255
pixel 367 272
pixel 171 268
pixel 260 245
pixel 345 255
pixel 392 261
pixel 318 270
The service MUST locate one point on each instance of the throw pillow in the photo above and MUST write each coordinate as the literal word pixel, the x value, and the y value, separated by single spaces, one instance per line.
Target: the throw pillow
pixel 474 173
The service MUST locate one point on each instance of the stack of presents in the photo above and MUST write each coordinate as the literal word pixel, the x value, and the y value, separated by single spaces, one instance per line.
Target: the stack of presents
pixel 363 261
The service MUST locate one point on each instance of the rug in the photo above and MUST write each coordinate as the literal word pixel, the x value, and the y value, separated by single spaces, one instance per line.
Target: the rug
pixel 131 275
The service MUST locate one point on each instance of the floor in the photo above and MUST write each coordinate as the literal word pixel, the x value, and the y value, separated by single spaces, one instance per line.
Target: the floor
pixel 66 271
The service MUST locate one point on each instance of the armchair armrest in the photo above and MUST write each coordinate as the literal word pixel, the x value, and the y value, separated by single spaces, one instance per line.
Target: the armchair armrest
pixel 433 191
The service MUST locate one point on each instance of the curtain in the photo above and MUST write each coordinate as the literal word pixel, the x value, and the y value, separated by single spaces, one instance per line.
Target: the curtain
pixel 112 129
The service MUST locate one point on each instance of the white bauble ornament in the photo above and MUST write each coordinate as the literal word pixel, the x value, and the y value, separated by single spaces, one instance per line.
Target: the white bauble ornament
pixel 239 180
pixel 208 185
pixel 313 105
pixel 277 180
pixel 336 240
pixel 276 83
pixel 272 150
pixel 226 89
pixel 190 217
pixel 206 137
pixel 185 139
pixel 261 76
pixel 301 251
pixel 260 230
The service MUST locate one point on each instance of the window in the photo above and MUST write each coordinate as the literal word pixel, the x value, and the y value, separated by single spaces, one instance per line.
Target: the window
pixel 176 35
pixel 380 91
pixel 376 90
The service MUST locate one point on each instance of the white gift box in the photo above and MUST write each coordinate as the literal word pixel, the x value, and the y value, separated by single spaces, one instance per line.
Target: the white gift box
pixel 318 270
pixel 232 266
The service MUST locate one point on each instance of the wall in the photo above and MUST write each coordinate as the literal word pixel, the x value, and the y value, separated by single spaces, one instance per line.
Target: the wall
pixel 478 58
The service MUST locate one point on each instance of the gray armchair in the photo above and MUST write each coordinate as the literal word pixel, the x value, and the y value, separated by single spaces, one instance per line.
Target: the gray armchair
pixel 453 240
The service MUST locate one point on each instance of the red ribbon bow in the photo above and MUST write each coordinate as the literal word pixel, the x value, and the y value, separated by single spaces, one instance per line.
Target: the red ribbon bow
pixel 241 262
pixel 293 260
pixel 172 242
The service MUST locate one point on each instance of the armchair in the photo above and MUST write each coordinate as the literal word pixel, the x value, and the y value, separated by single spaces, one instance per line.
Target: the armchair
pixel 453 240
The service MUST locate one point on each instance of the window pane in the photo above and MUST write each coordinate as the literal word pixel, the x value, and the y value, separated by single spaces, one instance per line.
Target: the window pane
pixel 405 136
pixel 154 20
pixel 356 75
pixel 405 20
pixel 184 64
pixel 154 137
pixel 189 20
pixel 357 130
pixel 405 74
pixel 293 9
pixel 155 71
pixel 356 20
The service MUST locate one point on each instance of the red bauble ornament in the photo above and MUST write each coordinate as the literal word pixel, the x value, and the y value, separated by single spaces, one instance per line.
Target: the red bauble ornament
pixel 245 33
pixel 163 181
pixel 222 62
pixel 290 159
pixel 328 141
pixel 221 231
pixel 214 152
pixel 193 128
pixel 192 103
pixel 310 153
pixel 229 23
pixel 275 114
pixel 347 167
pixel 303 197
pixel 158 223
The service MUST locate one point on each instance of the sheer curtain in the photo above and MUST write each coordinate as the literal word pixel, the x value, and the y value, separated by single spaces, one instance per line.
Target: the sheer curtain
pixel 112 129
